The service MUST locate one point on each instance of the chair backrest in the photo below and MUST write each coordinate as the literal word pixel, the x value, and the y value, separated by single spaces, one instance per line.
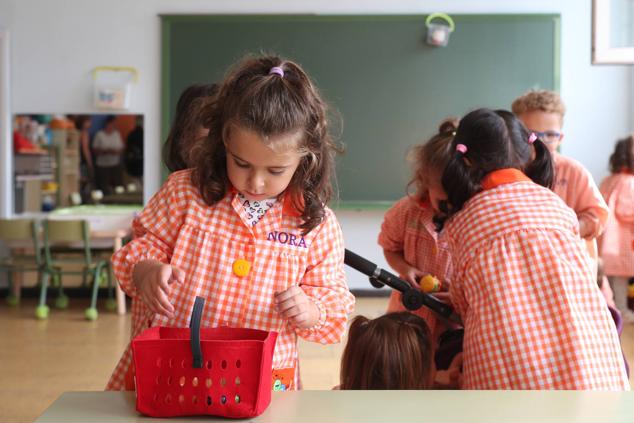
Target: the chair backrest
pixel 22 230
pixel 16 229
pixel 66 232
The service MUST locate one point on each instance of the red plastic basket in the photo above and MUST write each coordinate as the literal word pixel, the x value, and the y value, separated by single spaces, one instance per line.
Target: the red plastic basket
pixel 191 371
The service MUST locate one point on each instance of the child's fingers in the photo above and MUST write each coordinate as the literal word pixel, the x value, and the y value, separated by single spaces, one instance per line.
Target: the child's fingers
pixel 443 296
pixel 164 286
pixel 178 275
pixel 292 312
pixel 163 306
pixel 282 296
pixel 456 363
pixel 297 301
pixel 409 279
pixel 300 319
pixel 285 305
pixel 418 273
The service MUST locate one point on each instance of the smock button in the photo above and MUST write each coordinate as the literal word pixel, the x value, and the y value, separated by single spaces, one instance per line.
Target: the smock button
pixel 241 267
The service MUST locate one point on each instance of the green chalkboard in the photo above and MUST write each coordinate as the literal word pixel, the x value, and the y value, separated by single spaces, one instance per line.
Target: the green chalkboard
pixel 389 87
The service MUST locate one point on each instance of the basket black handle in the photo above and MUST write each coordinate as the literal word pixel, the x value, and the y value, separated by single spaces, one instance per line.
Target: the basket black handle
pixel 194 329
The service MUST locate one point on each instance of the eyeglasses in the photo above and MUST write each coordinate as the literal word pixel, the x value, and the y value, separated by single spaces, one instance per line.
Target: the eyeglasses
pixel 548 136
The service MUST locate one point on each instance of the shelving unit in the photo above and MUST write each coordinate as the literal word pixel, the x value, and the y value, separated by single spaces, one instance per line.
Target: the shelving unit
pixel 31 170
pixel 67 160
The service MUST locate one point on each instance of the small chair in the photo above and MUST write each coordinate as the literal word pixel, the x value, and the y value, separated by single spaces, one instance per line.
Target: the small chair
pixel 76 235
pixel 24 231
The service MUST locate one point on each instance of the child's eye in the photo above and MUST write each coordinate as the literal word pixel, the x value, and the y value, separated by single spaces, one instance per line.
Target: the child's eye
pixel 241 164
pixel 276 172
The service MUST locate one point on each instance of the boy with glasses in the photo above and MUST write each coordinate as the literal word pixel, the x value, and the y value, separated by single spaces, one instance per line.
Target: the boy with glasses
pixel 542 112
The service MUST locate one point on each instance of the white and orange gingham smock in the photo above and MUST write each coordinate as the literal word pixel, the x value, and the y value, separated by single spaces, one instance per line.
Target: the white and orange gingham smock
pixel 575 185
pixel 617 243
pixel 408 228
pixel 534 316
pixel 178 228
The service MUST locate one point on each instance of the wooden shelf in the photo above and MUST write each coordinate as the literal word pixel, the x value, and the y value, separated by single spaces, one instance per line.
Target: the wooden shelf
pixel 43 177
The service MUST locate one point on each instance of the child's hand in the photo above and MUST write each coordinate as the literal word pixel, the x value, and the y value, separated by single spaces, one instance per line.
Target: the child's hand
pixel 411 275
pixel 584 229
pixel 452 377
pixel 153 279
pixel 455 371
pixel 442 296
pixel 294 305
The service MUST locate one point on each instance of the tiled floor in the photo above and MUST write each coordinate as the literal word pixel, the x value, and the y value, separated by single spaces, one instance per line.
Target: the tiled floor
pixel 41 359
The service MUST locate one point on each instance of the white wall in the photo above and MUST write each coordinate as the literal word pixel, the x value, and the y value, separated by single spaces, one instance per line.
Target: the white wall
pixel 56 43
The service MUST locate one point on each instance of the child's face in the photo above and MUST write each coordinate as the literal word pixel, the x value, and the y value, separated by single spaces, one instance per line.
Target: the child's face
pixel 254 169
pixel 546 125
pixel 435 191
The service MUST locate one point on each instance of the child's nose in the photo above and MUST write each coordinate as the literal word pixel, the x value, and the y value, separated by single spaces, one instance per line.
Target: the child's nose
pixel 257 181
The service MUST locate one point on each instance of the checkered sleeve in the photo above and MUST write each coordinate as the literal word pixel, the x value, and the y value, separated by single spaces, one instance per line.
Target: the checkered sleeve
pixel 155 230
pixel 590 205
pixel 324 282
pixel 392 235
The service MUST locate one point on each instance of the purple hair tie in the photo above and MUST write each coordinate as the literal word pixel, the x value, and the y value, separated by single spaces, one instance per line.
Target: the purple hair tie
pixel 461 148
pixel 278 70
pixel 532 137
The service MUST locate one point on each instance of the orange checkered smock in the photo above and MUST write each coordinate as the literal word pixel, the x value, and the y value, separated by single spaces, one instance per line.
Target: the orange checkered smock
pixel 533 314
pixel 575 185
pixel 408 228
pixel 617 242
pixel 177 227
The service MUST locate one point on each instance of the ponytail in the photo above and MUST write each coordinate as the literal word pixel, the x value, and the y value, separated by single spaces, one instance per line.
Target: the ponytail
pixel 460 182
pixel 541 169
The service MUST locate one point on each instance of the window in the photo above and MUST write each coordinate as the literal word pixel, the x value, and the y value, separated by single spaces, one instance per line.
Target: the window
pixel 612 32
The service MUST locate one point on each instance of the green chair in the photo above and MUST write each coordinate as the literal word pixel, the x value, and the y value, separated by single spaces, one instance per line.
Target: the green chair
pixel 25 232
pixel 73 236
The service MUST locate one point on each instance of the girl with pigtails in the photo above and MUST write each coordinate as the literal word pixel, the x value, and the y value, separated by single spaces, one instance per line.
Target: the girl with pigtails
pixel 533 315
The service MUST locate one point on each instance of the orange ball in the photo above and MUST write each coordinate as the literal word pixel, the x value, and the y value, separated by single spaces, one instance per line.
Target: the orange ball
pixel 429 284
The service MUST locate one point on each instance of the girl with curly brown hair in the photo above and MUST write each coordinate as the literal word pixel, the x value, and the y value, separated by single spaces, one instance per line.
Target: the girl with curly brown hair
pixel 248 227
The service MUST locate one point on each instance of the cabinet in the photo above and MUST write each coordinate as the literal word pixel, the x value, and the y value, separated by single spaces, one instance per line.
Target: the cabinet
pixel 65 148
pixel 31 172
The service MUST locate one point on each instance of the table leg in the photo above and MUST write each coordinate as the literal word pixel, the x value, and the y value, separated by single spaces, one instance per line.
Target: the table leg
pixel 118 243
pixel 16 289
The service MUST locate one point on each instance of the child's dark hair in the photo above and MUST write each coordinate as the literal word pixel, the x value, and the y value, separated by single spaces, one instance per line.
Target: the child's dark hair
pixel 253 98
pixel 393 351
pixel 494 139
pixel 187 121
pixel 431 157
pixel 622 159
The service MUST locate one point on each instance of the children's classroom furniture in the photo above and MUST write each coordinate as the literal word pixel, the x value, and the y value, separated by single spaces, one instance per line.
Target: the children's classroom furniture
pixel 22 234
pixel 379 406
pixel 76 234
pixel 110 225
pixel 391 89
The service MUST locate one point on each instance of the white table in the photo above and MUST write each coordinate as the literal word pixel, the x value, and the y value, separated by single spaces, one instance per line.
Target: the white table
pixel 378 406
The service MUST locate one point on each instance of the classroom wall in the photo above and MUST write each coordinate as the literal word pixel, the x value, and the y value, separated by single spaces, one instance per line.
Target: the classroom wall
pixel 56 43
